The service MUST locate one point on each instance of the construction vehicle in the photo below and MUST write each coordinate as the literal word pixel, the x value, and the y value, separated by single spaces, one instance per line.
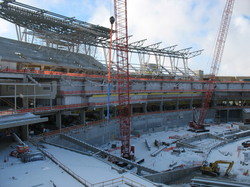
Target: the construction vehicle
pixel 20 150
pixel 246 144
pixel 217 56
pixel 194 126
pixel 21 147
pixel 213 168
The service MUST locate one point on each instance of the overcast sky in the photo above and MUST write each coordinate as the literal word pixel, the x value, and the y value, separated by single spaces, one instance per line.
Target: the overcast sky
pixel 187 23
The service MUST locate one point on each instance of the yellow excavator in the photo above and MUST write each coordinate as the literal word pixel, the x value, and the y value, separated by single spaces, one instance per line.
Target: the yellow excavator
pixel 213 168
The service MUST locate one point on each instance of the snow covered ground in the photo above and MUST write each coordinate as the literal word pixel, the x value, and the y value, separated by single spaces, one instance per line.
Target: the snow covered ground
pixel 167 159
pixel 232 152
pixel 14 173
pixel 46 173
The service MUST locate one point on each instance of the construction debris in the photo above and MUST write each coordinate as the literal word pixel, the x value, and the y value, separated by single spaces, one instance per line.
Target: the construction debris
pixel 147 145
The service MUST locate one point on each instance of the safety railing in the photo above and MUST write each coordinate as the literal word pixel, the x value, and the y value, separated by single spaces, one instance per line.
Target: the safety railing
pixel 71 106
pixel 120 180
pixel 7 70
pixel 171 91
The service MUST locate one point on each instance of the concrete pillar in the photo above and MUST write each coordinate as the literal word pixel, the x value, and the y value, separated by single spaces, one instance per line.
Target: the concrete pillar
pixel 131 110
pixel 177 104
pixel 83 116
pixel 191 102
pixel 24 132
pixel 144 108
pixel 115 111
pixel 59 120
pixel 101 113
pixel 25 92
pixel 227 115
pixel 161 106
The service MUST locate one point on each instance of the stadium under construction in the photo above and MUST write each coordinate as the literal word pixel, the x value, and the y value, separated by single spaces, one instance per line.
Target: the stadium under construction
pixel 53 84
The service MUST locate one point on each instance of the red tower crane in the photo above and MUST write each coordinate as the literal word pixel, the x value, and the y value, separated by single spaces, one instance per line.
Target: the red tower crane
pixel 121 43
pixel 217 56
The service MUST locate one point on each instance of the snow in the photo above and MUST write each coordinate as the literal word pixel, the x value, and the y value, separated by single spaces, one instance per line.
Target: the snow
pixel 231 152
pixel 40 173
pixel 94 170
pixel 90 168
pixel 46 173
pixel 165 158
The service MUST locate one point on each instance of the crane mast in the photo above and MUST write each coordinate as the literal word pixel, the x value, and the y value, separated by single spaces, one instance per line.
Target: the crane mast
pixel 217 56
pixel 121 43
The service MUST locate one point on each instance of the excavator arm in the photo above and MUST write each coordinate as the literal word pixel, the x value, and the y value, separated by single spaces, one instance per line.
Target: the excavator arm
pixel 230 165
pixel 213 168
pixel 229 168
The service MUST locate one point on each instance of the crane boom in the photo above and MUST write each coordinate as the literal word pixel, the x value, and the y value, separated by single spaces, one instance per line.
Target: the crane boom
pixel 217 56
pixel 120 10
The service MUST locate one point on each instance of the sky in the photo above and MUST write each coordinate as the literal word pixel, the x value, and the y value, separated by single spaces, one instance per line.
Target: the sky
pixel 187 23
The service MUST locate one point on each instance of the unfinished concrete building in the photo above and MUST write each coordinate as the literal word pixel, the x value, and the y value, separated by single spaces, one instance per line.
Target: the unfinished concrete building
pixel 52 81
pixel 61 77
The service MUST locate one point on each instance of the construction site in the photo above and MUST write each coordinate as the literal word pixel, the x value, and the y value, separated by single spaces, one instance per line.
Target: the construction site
pixel 68 118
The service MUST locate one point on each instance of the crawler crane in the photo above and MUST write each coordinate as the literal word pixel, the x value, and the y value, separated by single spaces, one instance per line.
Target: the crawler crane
pixel 217 56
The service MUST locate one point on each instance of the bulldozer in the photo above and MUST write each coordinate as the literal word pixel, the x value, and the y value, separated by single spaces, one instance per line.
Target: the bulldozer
pixel 213 168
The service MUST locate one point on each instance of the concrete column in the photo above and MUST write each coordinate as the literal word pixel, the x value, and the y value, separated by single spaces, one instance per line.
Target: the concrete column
pixel 15 99
pixel 59 120
pixel 161 106
pixel 83 116
pixel 191 102
pixel 24 132
pixel 177 103
pixel 131 110
pixel 115 111
pixel 25 92
pixel 227 115
pixel 145 108
pixel 102 113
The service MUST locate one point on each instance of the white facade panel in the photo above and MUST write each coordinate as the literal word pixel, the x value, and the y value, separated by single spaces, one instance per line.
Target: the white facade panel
pixel 69 100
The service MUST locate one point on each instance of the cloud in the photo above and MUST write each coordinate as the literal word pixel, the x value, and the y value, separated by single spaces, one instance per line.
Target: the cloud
pixel 7 29
pixel 188 23
pixel 191 23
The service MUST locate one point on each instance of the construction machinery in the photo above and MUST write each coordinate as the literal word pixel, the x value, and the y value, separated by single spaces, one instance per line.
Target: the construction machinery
pixel 194 126
pixel 246 144
pixel 217 56
pixel 21 147
pixel 20 150
pixel 213 168
pixel 122 65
